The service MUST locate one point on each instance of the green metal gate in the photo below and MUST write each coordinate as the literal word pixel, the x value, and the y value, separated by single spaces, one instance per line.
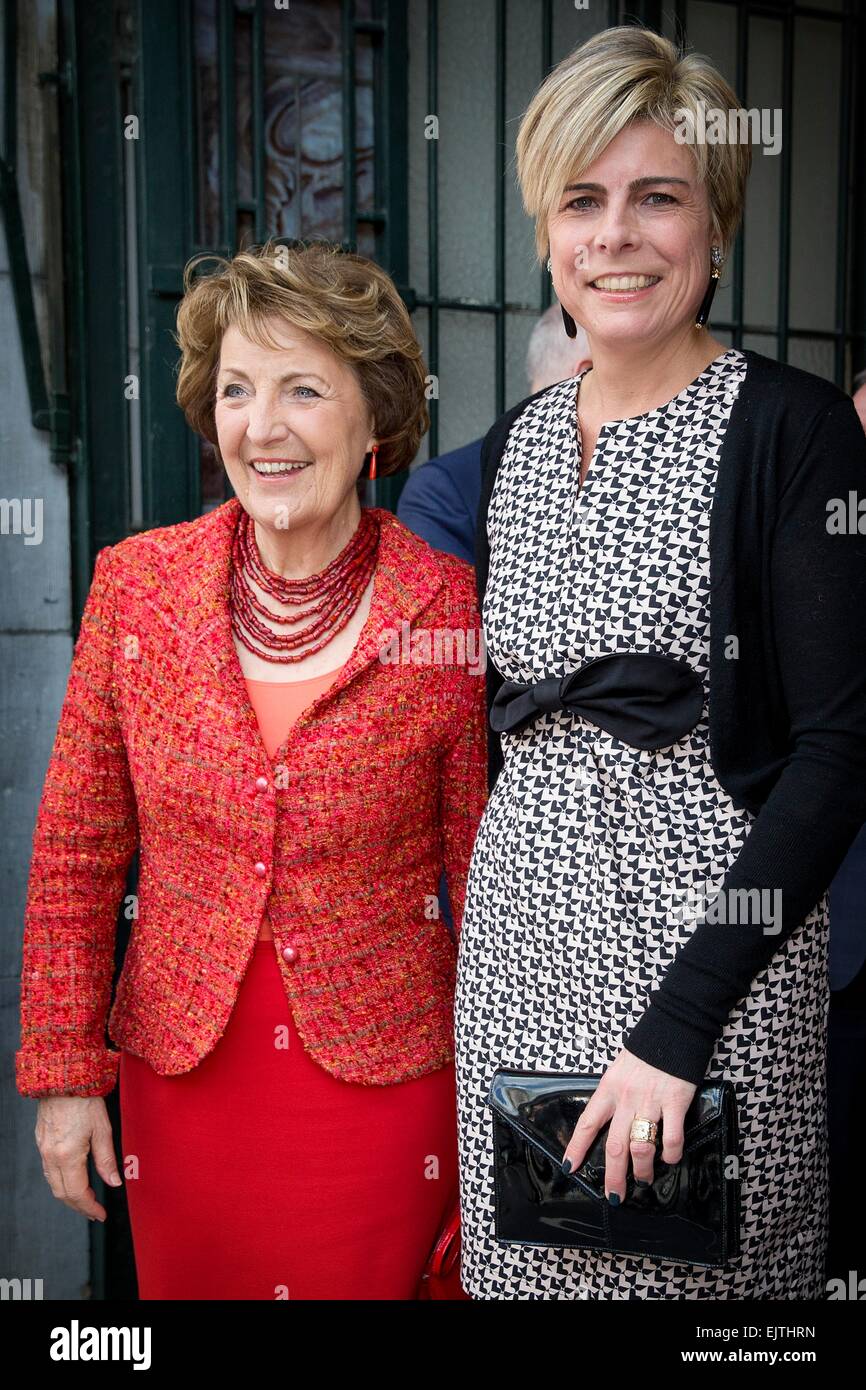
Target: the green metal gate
pixel 203 125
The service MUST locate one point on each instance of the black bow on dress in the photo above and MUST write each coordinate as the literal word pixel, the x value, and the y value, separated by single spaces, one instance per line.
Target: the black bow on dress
pixel 643 698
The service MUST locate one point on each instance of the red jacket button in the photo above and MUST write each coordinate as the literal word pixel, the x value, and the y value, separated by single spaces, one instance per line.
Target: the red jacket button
pixel 290 954
pixel 261 784
pixel 261 869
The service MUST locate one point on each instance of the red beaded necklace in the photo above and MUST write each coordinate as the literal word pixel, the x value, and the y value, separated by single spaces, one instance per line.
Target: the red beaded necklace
pixel 328 598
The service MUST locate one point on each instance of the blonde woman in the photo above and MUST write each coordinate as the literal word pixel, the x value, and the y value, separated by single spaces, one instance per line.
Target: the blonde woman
pixel 587 946
pixel 284 1012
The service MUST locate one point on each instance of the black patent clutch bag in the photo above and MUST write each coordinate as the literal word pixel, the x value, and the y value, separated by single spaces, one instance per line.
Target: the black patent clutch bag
pixel 690 1214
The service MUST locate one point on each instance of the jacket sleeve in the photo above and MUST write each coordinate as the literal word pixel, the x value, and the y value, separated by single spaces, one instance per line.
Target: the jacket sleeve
pixel 85 836
pixel 806 826
pixel 463 782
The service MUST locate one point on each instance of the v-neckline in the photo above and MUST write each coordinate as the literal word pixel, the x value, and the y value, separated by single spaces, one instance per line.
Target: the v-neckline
pixel 578 446
pixel 581 483
pixel 626 419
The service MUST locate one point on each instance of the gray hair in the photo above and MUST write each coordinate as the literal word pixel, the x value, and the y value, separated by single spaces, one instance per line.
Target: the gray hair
pixel 550 347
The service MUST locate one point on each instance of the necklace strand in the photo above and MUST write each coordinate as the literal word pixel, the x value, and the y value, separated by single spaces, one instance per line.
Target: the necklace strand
pixel 338 587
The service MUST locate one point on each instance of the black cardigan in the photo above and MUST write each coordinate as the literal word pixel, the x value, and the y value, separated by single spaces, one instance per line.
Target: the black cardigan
pixel 787 715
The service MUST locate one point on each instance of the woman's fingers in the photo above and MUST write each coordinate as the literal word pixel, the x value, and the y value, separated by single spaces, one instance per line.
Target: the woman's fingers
pixel 78 1194
pixel 617 1153
pixel 642 1151
pixel 596 1113
pixel 66 1175
pixel 631 1089
pixel 67 1128
pixel 102 1148
pixel 673 1130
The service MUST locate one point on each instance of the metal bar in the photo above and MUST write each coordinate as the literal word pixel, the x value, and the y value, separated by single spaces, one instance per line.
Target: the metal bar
pixel 257 77
pixel 823 335
pixel 391 167
pixel 379 217
pixel 228 154
pixel 433 217
pixel 16 241
pixel 475 306
pixel 22 293
pixel 499 209
pixel 739 247
pixel 10 83
pixel 784 9
pixel 74 306
pixel 392 145
pixel 546 65
pixel 842 206
pixel 381 137
pixel 299 163
pixel 650 14
pixel 782 331
pixel 858 288
pixel 132 269
pixel 191 118
pixel 187 41
pixel 350 192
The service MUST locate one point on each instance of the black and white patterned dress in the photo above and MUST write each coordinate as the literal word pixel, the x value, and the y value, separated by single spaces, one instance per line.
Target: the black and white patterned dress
pixel 594 859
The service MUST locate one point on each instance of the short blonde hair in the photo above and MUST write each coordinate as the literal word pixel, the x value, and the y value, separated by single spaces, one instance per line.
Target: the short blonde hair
pixel 346 301
pixel 618 76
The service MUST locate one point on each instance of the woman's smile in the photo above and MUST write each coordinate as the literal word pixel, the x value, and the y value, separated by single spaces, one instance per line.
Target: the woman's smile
pixel 268 469
pixel 624 288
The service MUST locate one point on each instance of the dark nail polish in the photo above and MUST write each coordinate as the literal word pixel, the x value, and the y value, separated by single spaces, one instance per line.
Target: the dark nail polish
pixel 639 1182
pixel 566 1165
pixel 613 1198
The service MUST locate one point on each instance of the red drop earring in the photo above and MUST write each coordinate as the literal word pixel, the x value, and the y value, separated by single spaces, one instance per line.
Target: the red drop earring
pixel 373 461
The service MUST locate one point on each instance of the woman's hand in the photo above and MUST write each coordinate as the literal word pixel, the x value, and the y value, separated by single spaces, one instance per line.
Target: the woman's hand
pixel 67 1129
pixel 631 1087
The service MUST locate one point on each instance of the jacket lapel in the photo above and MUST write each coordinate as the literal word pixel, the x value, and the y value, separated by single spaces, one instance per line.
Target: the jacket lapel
pixel 406 579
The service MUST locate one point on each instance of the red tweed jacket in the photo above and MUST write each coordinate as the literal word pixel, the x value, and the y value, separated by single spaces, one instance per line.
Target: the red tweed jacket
pixel 342 836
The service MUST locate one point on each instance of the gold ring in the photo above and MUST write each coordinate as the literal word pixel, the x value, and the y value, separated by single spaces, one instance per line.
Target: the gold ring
pixel 643 1131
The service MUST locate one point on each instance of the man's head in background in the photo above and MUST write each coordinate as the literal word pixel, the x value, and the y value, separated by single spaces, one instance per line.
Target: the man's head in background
pixel 552 356
pixel 859 396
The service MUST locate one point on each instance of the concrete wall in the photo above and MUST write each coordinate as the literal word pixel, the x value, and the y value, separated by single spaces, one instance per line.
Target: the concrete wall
pixel 40 1238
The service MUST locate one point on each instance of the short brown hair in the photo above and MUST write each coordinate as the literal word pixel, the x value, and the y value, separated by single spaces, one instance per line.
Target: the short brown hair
pixel 346 301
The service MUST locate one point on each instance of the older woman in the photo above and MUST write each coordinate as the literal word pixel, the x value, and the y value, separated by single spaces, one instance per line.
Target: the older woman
pixel 284 1011
pixel 581 951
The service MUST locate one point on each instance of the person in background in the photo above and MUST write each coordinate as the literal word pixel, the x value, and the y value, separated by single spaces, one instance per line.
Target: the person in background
pixel 846 1047
pixel 440 499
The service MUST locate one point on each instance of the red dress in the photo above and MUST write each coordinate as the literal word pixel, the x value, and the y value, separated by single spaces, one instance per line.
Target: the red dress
pixel 260 1175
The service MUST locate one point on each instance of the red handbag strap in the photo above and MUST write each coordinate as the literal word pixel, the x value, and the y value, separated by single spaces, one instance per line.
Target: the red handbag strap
pixel 446 1252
